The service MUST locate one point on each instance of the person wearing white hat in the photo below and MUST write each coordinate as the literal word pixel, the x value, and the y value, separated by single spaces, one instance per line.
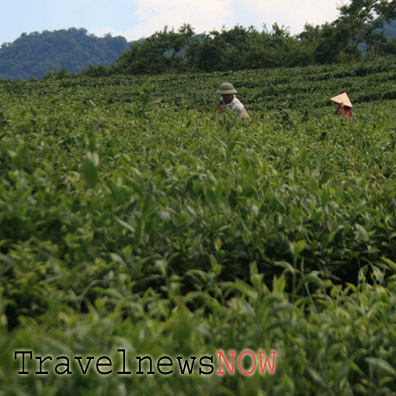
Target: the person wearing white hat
pixel 229 100
pixel 343 105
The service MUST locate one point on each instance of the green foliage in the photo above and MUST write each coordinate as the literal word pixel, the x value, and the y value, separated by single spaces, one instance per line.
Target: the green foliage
pixel 235 49
pixel 158 54
pixel 132 216
pixel 357 34
pixel 363 21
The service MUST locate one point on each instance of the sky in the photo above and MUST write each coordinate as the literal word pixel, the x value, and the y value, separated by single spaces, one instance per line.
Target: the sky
pixel 135 19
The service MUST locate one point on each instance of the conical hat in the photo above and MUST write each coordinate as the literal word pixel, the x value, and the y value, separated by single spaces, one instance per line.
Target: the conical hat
pixel 343 98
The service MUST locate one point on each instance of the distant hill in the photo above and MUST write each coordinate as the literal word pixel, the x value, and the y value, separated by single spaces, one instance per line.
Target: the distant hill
pixel 35 54
pixel 390 29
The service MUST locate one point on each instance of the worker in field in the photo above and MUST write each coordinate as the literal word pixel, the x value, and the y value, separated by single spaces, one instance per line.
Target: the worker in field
pixel 229 101
pixel 343 105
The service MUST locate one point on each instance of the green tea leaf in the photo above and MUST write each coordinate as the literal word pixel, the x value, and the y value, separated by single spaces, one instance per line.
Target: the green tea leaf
pixel 90 173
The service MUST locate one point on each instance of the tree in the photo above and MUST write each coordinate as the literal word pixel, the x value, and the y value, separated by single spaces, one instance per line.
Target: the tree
pixel 329 43
pixel 364 22
pixel 160 53
pixel 211 52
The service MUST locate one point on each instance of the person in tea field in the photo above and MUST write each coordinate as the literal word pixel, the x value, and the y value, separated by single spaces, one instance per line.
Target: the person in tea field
pixel 343 105
pixel 229 100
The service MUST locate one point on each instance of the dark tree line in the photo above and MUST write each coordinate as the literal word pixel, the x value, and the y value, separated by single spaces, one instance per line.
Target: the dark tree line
pixel 235 49
pixel 365 29
pixel 359 33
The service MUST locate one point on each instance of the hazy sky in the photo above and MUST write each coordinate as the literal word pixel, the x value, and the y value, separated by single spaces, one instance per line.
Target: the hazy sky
pixel 135 19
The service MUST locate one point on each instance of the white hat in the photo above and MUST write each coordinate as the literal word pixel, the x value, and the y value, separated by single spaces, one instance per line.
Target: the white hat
pixel 343 98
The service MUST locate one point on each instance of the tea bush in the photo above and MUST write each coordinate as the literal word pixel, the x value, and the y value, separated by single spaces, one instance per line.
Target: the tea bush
pixel 132 216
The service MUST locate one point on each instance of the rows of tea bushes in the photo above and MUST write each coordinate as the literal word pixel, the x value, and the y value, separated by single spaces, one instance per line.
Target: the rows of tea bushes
pixel 133 217
pixel 298 88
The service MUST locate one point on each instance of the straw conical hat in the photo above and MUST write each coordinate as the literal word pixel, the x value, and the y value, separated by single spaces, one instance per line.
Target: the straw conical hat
pixel 343 98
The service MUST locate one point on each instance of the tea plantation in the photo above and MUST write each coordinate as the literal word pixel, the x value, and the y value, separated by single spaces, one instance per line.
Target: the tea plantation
pixel 137 222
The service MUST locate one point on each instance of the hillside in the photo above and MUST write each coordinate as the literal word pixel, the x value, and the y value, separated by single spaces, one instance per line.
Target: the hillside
pixel 390 29
pixel 35 54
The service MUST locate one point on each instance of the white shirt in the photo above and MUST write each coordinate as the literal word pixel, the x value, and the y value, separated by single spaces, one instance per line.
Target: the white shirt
pixel 237 107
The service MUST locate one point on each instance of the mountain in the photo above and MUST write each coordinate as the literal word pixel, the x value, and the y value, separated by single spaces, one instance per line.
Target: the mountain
pixel 390 29
pixel 35 54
